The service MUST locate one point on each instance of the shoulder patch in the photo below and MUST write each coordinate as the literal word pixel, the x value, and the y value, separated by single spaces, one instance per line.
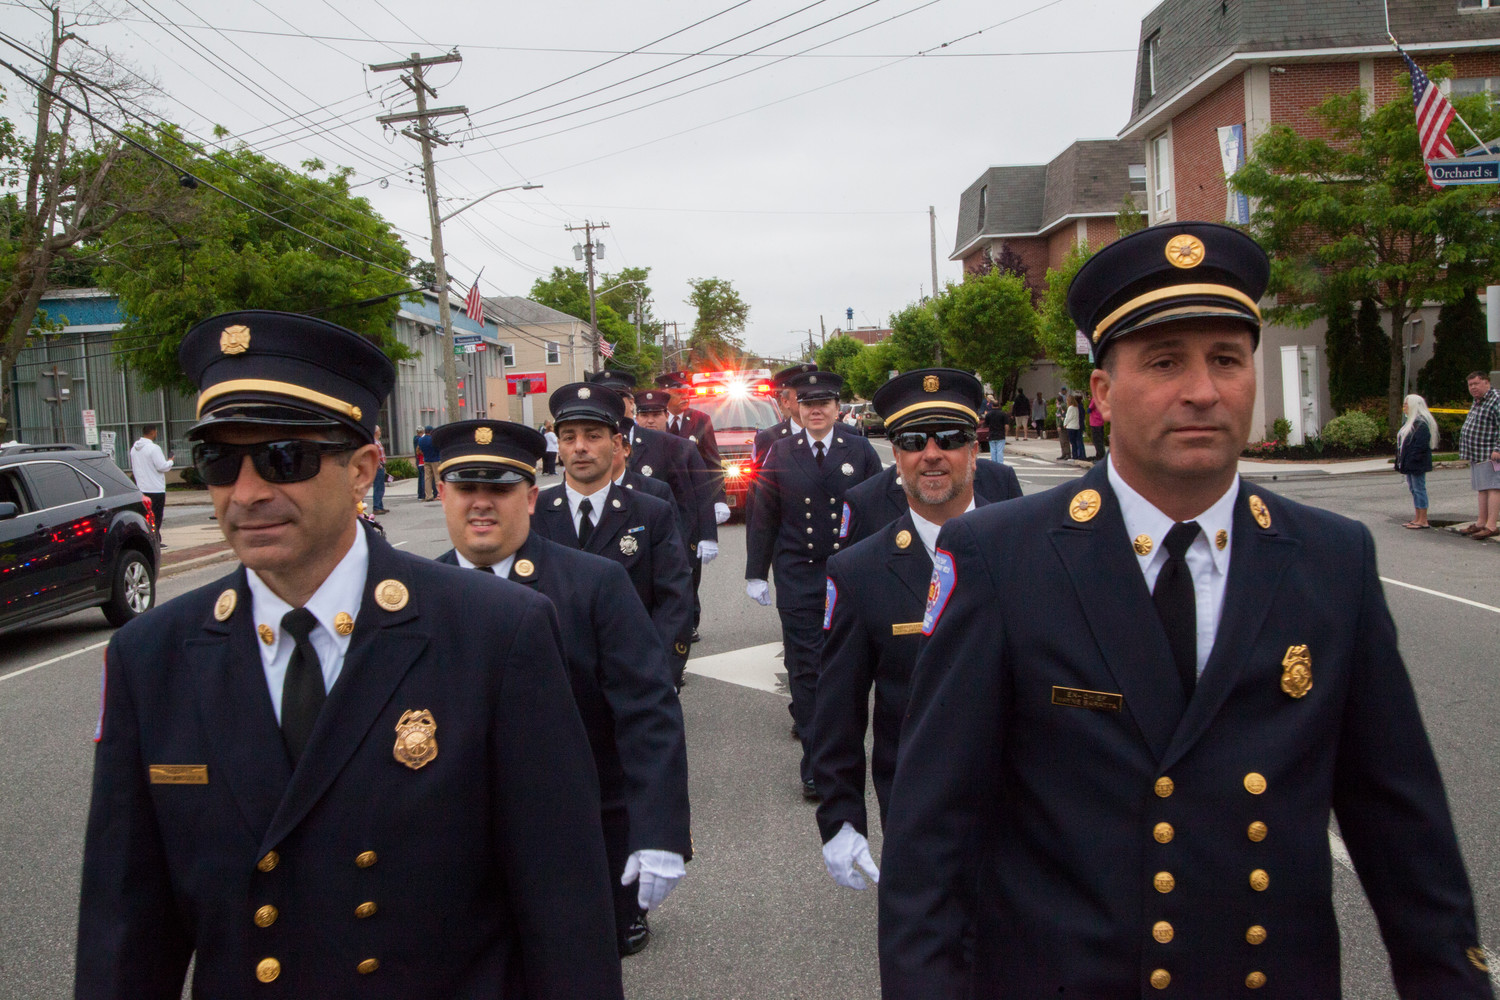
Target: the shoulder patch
pixel 938 592
pixel 103 677
pixel 830 598
pixel 844 525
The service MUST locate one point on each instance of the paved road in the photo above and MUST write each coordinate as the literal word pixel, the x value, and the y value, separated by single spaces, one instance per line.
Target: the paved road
pixel 757 916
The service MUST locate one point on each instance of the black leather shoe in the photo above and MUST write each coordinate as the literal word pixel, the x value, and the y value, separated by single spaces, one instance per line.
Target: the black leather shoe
pixel 636 937
pixel 696 636
pixel 810 791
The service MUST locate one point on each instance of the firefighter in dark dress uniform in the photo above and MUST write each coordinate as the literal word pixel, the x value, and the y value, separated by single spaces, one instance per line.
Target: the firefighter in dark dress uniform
pixel 697 428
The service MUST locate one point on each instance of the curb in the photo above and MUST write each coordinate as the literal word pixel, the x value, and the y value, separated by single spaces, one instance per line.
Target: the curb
pixel 214 554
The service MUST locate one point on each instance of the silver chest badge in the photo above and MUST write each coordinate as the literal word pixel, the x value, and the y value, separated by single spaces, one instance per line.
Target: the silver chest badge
pixel 847 469
pixel 628 545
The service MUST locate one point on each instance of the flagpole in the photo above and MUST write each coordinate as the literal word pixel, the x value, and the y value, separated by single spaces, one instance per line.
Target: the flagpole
pixel 1402 51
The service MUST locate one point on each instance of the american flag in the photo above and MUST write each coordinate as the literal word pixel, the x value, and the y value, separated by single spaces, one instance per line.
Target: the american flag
pixel 1434 115
pixel 473 307
pixel 606 348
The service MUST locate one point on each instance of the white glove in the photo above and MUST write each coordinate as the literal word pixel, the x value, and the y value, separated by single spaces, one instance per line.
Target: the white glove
pixel 843 853
pixel 708 551
pixel 658 872
pixel 760 591
pixel 721 513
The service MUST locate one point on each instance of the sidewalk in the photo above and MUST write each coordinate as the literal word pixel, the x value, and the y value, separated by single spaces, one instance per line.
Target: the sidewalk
pixel 1251 469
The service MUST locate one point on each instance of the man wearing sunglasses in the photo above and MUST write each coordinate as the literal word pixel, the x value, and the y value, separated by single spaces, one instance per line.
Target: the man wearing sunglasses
pixel 318 776
pixel 1127 793
pixel 794 526
pixel 877 592
pixel 621 681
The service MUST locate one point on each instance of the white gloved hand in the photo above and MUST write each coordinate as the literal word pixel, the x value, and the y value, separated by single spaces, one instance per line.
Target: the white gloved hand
pixel 760 590
pixel 708 551
pixel 846 854
pixel 721 513
pixel 658 872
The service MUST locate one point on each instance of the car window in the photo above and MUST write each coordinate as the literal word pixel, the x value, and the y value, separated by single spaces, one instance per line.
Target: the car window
pixel 57 483
pixel 738 412
pixel 10 489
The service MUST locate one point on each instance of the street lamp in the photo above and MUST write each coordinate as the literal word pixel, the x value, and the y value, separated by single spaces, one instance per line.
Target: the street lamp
pixel 513 187
pixel 632 281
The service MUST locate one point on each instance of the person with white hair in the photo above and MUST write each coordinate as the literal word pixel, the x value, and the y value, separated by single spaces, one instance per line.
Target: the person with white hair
pixel 1414 441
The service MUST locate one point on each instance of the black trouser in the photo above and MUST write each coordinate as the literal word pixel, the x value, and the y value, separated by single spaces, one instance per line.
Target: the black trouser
pixel 1097 433
pixel 549 463
pixel 158 508
pixel 802 639
pixel 616 822
pixel 697 579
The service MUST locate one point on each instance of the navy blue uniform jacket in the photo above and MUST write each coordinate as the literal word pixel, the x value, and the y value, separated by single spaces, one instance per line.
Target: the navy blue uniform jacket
pixel 632 480
pixel 622 686
pixel 1108 830
pixel 486 866
pixel 767 436
pixel 798 511
pixel 675 461
pixel 697 428
pixel 877 502
pixel 639 532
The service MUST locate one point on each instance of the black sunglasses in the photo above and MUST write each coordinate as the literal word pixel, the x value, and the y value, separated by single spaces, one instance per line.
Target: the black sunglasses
pixel 948 440
pixel 275 461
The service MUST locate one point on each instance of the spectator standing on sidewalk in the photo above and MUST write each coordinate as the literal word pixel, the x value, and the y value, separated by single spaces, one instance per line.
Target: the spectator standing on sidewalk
pixel 1071 424
pixel 1096 429
pixel 380 474
pixel 1063 443
pixel 429 453
pixel 1479 445
pixel 549 456
pixel 1039 416
pixel 416 447
pixel 995 418
pixel 1414 443
pixel 150 466
pixel 1020 411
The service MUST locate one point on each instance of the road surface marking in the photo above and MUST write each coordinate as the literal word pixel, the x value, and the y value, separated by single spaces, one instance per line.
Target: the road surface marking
pixel 751 667
pixel 55 659
pixel 397 545
pixel 1439 593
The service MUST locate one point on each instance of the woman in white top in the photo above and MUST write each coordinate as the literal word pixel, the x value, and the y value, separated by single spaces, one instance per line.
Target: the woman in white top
pixel 549 457
pixel 1073 427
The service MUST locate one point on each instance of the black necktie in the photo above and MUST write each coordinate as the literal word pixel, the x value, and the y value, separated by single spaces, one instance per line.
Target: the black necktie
pixel 486 569
pixel 585 523
pixel 818 452
pixel 677 426
pixel 1177 604
pixel 302 692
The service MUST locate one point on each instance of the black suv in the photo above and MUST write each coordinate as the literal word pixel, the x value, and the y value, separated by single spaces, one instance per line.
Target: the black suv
pixel 75 532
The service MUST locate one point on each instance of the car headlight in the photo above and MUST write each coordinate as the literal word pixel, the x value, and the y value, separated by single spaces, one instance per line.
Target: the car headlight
pixel 732 470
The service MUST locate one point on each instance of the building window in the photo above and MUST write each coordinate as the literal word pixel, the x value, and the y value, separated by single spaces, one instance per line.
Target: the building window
pixel 1151 45
pixel 1476 84
pixel 508 355
pixel 984 195
pixel 1161 170
pixel 1138 177
pixel 554 353
pixel 1479 4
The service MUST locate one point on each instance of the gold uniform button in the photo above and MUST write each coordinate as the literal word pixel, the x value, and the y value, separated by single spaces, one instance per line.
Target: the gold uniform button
pixel 1164 787
pixel 1164 882
pixel 368 966
pixel 1255 980
pixel 364 910
pixel 1257 831
pixel 1162 931
pixel 269 862
pixel 1161 979
pixel 267 969
pixel 266 916
pixel 1255 783
pixel 365 859
pixel 1259 880
pixel 1163 833
pixel 1256 934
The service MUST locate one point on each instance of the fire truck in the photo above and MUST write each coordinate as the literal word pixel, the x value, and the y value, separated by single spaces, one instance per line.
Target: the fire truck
pixel 740 403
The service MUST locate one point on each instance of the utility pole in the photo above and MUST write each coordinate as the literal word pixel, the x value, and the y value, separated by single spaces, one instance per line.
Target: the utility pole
pixel 588 255
pixel 426 136
pixel 937 346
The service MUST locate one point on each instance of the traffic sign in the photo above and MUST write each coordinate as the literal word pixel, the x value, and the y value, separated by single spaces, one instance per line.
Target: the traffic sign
pixel 467 338
pixel 90 427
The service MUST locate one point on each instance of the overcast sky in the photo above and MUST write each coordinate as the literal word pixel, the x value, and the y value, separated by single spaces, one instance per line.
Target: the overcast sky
pixel 802 180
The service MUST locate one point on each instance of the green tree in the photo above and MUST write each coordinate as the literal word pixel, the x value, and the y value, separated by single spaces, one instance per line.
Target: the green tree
pixel 1130 217
pixel 916 337
pixel 567 290
pixel 1352 210
pixel 842 355
pixel 312 247
pixel 1374 349
pixel 989 326
pixel 1459 346
pixel 873 366
pixel 719 329
pixel 1056 331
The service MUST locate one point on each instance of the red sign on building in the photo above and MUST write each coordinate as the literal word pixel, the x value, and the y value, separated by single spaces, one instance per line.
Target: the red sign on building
pixel 537 380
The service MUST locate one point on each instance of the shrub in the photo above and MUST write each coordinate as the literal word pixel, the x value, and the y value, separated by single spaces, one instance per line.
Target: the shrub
pixel 190 477
pixel 1281 429
pixel 400 468
pixel 1354 430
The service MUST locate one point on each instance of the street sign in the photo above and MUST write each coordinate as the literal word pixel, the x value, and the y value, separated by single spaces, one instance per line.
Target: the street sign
pixel 479 347
pixel 538 382
pixel 90 427
pixel 1465 170
pixel 1080 343
pixel 107 443
pixel 469 348
pixel 467 338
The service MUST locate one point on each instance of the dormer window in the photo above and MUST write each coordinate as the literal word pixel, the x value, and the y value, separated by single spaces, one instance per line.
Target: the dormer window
pixel 984 193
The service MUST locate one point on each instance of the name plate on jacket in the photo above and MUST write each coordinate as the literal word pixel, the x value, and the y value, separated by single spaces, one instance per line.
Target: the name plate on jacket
pixel 179 774
pixel 906 628
pixel 1099 701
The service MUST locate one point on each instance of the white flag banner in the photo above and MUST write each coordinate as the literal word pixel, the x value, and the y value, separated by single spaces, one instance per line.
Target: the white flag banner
pixel 1232 156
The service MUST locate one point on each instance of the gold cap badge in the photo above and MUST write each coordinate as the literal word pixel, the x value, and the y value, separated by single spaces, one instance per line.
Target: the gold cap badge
pixel 1259 512
pixel 1221 539
pixel 391 595
pixel 930 384
pixel 584 393
pixel 343 623
pixel 1296 671
pixel 483 435
pixel 1185 251
pixel 1085 505
pixel 235 339
pixel 525 567
pixel 224 606
pixel 628 544
pixel 266 633
pixel 1143 545
pixel 903 538
pixel 416 738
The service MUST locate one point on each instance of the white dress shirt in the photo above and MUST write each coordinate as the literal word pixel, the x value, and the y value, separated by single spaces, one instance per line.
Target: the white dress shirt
pixel 596 500
pixel 500 569
pixel 928 531
pixel 342 591
pixel 826 439
pixel 1208 563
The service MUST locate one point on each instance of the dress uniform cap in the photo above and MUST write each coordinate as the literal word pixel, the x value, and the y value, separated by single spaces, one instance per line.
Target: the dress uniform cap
pixel 783 378
pixel 488 451
pixel 650 400
pixel 813 385
pixel 284 369
pixel 585 401
pixel 1180 270
pixel 929 396
pixel 613 378
pixel 674 380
